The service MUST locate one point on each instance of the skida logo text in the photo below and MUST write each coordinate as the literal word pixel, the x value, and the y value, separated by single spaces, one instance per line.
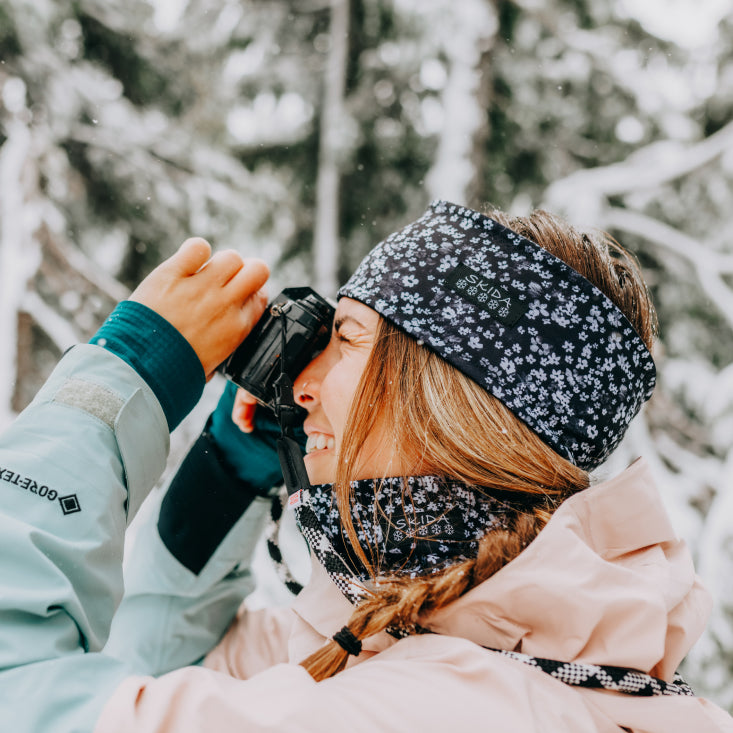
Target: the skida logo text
pixel 499 300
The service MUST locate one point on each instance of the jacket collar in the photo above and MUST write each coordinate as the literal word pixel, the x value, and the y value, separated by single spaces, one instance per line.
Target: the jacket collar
pixel 606 581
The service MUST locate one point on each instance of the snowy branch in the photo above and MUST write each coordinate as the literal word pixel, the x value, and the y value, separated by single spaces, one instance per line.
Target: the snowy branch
pixel 708 265
pixel 668 237
pixel 454 169
pixel 326 233
pixel 161 155
pixel 650 167
pixel 86 268
pixel 56 327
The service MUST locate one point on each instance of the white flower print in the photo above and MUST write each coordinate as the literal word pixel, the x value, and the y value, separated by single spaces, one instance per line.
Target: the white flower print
pixel 615 341
pixel 560 319
pixel 537 309
pixel 507 365
pixel 411 297
pixel 448 263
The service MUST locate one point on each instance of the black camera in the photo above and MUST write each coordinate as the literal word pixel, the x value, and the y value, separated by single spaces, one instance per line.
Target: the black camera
pixel 294 328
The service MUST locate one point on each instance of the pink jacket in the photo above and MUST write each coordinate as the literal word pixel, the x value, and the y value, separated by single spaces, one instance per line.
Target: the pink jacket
pixel 606 582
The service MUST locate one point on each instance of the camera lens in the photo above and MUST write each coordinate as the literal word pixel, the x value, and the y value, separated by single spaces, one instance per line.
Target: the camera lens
pixel 306 318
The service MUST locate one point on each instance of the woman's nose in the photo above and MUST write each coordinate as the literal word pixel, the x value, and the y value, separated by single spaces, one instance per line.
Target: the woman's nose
pixel 306 388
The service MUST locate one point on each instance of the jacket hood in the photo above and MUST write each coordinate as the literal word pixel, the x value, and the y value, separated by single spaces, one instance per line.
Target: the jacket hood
pixel 606 581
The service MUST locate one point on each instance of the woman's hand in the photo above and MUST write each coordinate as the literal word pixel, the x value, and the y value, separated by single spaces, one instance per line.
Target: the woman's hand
pixel 243 411
pixel 246 437
pixel 214 302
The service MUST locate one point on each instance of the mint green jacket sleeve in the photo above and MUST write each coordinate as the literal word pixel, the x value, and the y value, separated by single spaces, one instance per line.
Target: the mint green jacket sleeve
pixel 74 468
pixel 171 617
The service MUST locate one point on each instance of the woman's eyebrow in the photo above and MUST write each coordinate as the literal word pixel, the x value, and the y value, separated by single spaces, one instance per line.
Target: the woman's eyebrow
pixel 342 319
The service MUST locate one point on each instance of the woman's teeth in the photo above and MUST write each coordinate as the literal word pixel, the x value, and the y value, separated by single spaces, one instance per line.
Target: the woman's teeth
pixel 318 441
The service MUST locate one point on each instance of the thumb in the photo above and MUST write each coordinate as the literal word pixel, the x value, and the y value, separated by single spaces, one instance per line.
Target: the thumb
pixel 192 255
pixel 243 412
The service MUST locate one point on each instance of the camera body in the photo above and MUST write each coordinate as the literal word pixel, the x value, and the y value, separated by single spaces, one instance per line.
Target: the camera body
pixel 295 326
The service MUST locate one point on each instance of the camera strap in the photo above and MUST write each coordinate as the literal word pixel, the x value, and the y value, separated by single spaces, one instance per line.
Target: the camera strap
pixel 288 414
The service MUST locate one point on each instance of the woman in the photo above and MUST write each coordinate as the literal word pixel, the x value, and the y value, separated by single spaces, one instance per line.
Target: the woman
pixel 465 574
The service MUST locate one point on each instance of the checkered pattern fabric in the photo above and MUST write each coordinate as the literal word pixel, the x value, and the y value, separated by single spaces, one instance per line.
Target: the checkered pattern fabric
pixel 336 567
pixel 605 677
pixel 272 532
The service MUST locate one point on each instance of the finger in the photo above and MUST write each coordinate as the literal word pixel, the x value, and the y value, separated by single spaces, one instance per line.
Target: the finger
pixel 192 255
pixel 245 398
pixel 249 279
pixel 253 308
pixel 224 265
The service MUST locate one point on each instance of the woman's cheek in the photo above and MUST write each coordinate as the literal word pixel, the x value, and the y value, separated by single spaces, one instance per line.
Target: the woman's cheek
pixel 337 397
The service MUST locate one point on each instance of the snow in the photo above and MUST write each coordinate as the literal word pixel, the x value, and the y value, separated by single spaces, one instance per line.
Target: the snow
pixel 689 23
pixel 168 13
pixel 270 120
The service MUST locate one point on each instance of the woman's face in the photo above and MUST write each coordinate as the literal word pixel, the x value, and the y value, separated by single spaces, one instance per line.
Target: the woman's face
pixel 326 387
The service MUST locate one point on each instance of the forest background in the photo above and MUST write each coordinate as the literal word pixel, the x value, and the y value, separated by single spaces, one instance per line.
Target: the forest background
pixel 303 131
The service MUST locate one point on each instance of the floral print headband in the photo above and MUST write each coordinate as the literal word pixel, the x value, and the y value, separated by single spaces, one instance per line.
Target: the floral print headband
pixel 518 321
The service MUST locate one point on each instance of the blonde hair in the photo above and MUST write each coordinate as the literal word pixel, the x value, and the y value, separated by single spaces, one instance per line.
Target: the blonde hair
pixel 442 423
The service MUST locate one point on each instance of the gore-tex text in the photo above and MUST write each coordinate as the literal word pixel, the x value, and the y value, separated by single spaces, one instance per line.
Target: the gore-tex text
pixel 28 484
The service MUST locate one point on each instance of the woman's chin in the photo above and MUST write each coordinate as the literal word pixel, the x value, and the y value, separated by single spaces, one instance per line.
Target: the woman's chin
pixel 321 466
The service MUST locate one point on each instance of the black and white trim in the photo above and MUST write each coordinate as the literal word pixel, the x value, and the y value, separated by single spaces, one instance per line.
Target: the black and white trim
pixel 604 677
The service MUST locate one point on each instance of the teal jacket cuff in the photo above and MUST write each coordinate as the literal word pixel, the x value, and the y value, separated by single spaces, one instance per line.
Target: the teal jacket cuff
pixel 158 353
